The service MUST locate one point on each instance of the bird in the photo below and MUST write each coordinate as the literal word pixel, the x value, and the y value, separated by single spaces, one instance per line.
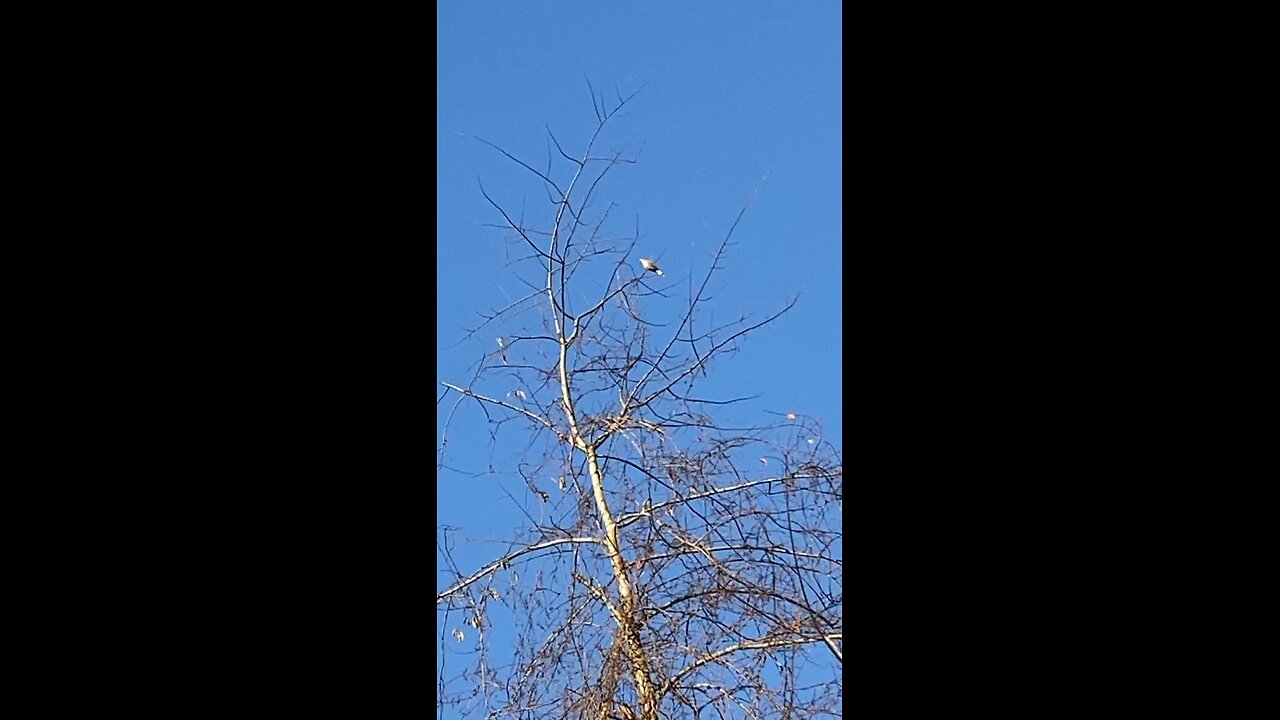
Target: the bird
pixel 650 265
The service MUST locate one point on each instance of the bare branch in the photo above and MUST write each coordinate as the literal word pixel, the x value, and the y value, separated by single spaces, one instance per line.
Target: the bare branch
pixel 523 164
pixel 511 223
pixel 735 648
pixel 505 562
pixel 494 401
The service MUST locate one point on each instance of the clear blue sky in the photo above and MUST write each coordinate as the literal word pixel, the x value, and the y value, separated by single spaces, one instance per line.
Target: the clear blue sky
pixel 733 92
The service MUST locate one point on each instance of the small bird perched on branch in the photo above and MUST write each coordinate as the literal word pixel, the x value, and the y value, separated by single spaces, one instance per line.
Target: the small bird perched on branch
pixel 650 265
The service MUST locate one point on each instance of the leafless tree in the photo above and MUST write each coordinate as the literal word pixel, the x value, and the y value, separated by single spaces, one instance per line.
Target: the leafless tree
pixel 672 566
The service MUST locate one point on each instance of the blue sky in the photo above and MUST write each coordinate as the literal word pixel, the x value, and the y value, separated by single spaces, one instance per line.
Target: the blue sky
pixel 733 93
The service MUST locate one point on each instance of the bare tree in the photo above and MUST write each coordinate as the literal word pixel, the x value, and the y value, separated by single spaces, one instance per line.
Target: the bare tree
pixel 674 565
